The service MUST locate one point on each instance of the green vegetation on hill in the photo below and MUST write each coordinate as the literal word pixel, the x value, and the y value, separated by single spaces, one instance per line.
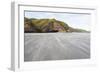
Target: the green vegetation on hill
pixel 34 25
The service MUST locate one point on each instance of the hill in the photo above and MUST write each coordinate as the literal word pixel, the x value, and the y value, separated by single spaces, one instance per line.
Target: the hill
pixel 34 25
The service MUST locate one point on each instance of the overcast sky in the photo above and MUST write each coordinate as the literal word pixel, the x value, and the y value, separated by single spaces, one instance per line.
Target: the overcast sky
pixel 81 21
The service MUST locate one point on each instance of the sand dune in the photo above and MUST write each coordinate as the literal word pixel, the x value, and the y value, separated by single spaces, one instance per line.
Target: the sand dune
pixel 56 46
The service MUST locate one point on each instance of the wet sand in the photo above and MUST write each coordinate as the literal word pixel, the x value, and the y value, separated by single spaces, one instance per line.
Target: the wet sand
pixel 56 46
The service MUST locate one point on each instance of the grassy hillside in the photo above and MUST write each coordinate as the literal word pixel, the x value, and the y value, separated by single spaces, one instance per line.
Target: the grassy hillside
pixel 47 25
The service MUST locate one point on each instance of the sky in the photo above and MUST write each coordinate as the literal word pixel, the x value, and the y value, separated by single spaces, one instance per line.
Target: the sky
pixel 76 20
